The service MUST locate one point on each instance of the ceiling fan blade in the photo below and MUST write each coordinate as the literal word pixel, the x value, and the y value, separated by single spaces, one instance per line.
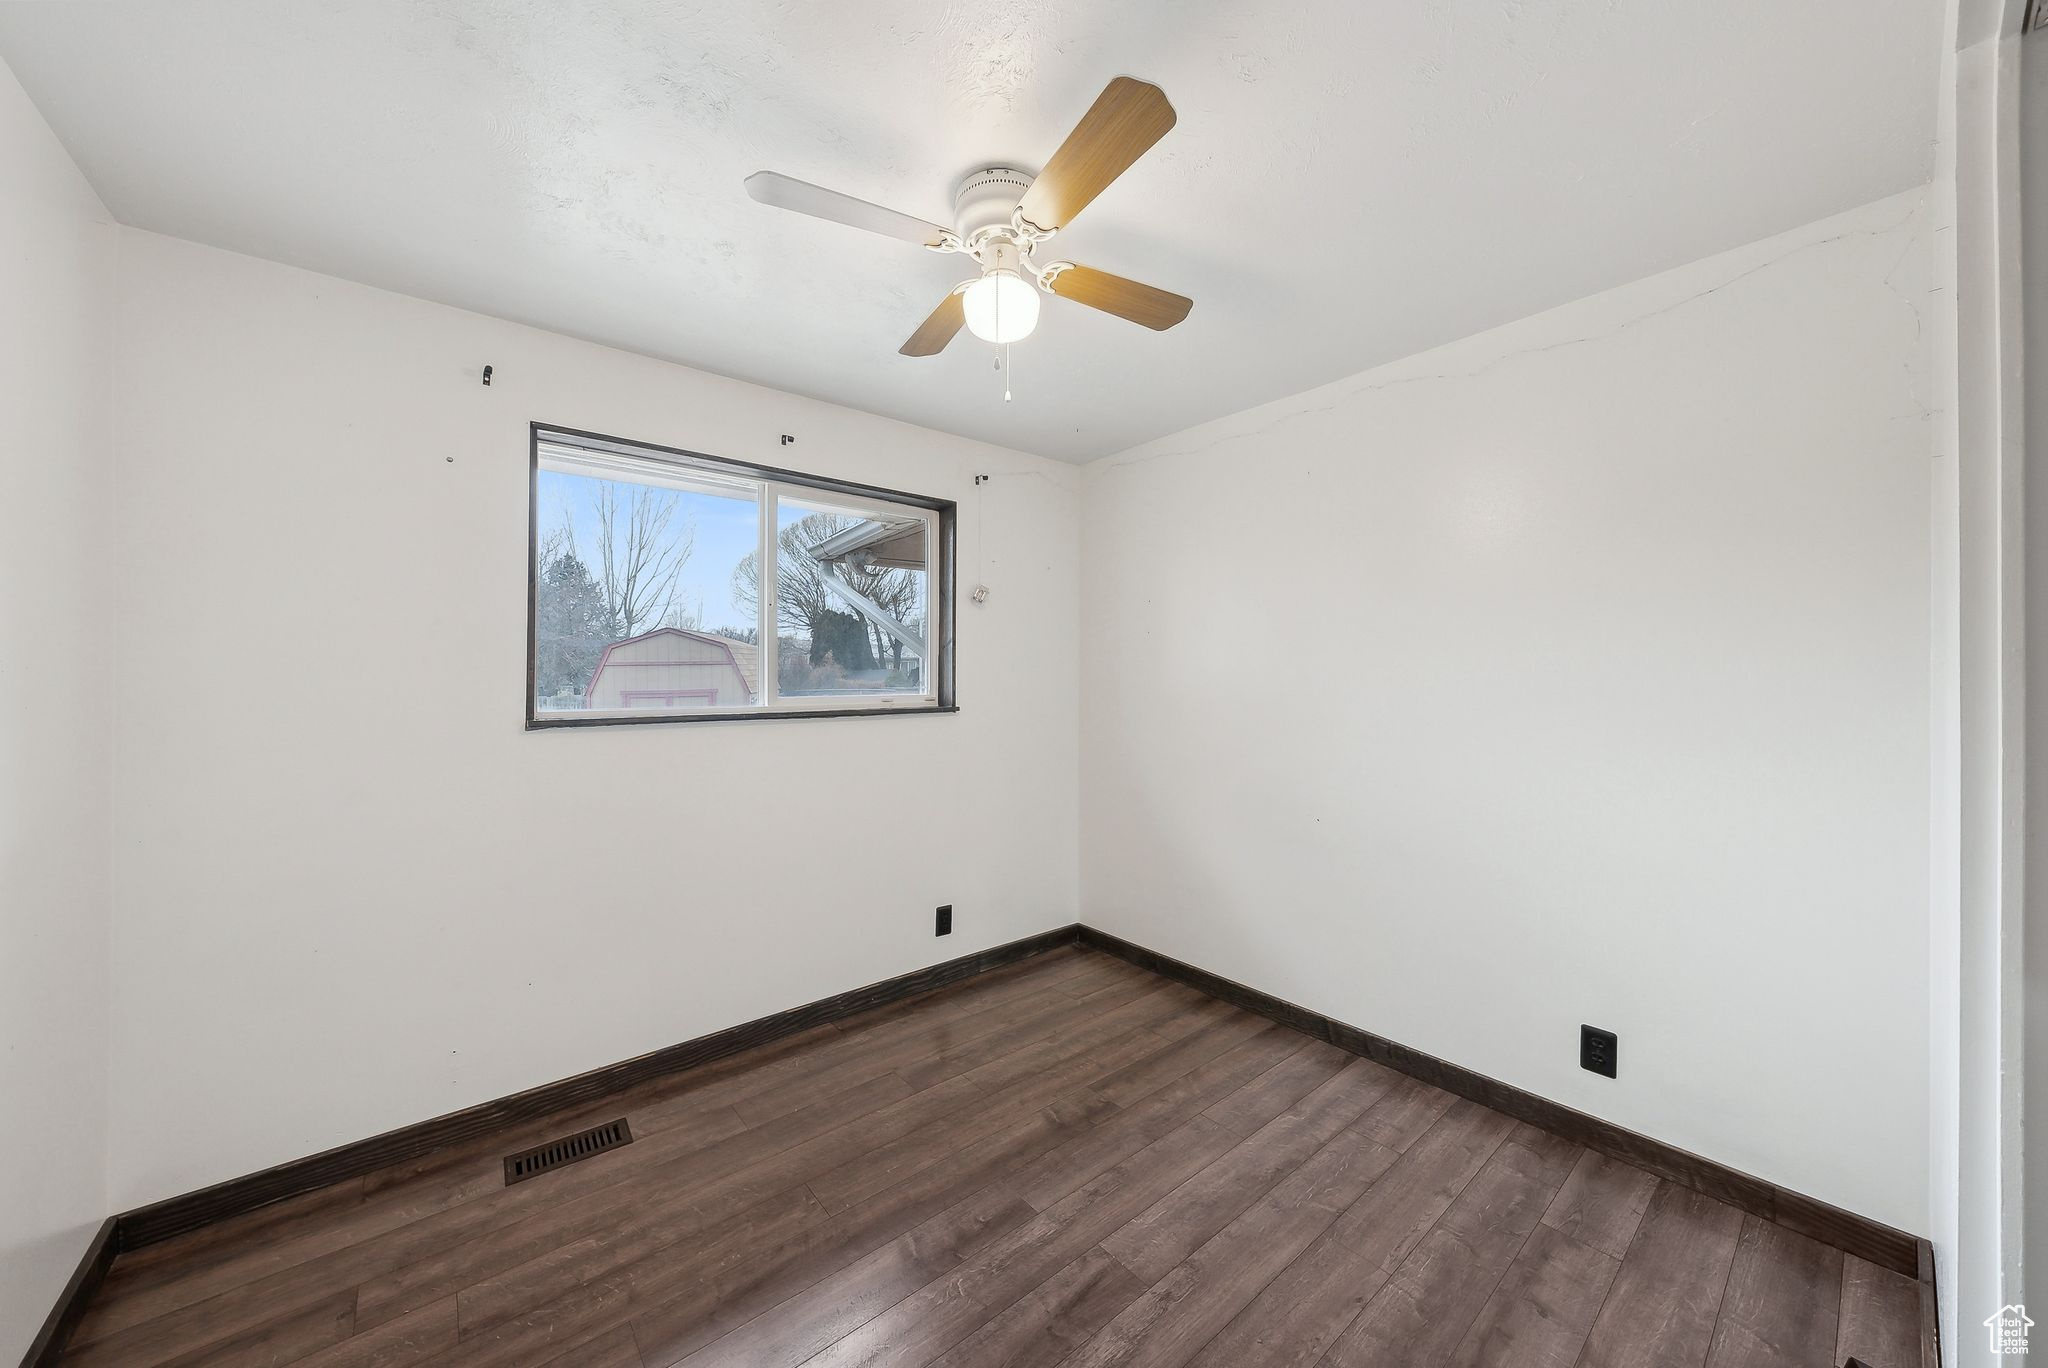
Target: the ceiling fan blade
pixel 1157 309
pixel 1125 120
pixel 784 192
pixel 935 332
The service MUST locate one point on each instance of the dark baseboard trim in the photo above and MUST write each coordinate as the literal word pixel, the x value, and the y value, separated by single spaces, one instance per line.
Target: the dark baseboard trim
pixel 1844 1230
pixel 178 1215
pixel 70 1308
pixel 1868 1239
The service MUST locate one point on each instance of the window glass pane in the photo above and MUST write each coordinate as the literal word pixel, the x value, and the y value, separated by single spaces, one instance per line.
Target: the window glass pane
pixel 639 604
pixel 852 601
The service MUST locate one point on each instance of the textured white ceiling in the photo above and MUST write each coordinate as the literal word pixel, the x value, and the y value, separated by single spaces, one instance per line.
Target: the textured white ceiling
pixel 1349 182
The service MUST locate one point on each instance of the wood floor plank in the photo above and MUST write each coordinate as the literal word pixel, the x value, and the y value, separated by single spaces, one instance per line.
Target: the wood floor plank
pixel 441 1253
pixel 301 1331
pixel 876 1042
pixel 789 1069
pixel 612 1349
pixel 541 1281
pixel 1183 1220
pixel 1096 970
pixel 883 1164
pixel 402 1343
pixel 905 1034
pixel 1539 1315
pixel 1065 1157
pixel 1188 1053
pixel 1054 1016
pixel 1053 1319
pixel 1280 1087
pixel 1880 1321
pixel 864 1175
pixel 1661 1309
pixel 714 1188
pixel 1016 1084
pixel 284 1340
pixel 343 1248
pixel 234 1237
pixel 670 1332
pixel 861 1289
pixel 708 1186
pixel 792 1332
pixel 676 1315
pixel 1782 1308
pixel 456 1174
pixel 1420 1316
pixel 1067 1163
pixel 1407 1112
pixel 1602 1203
pixel 928 1323
pixel 1299 1314
pixel 1056 1174
pixel 1186 1308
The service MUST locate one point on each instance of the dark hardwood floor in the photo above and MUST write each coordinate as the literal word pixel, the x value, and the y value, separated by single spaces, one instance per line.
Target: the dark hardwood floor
pixel 1066 1162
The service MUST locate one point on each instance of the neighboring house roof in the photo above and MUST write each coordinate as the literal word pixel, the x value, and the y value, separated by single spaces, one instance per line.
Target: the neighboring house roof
pixel 746 658
pixel 893 543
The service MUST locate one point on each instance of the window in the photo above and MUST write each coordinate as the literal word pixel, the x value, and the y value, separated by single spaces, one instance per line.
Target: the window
pixel 669 586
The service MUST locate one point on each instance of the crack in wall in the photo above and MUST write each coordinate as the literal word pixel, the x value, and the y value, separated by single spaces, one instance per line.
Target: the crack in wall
pixel 1920 408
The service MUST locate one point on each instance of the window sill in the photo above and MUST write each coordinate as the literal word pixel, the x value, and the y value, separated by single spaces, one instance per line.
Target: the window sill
pixel 733 715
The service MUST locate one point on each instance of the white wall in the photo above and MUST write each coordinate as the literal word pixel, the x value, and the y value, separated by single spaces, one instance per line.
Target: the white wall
pixel 371 897
pixel 56 279
pixel 1607 635
pixel 1944 882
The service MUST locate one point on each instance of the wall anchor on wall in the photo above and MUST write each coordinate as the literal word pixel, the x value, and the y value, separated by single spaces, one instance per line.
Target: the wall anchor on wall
pixel 981 479
pixel 487 375
pixel 980 594
pixel 787 439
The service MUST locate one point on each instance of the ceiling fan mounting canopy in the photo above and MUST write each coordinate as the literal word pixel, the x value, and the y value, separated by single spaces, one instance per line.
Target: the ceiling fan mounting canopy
pixel 987 200
pixel 1001 214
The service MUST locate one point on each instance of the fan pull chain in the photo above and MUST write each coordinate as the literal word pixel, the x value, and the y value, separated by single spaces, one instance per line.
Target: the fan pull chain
pixel 1002 359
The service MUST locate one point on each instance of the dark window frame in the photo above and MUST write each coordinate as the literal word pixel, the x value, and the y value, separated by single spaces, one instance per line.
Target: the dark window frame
pixel 940 591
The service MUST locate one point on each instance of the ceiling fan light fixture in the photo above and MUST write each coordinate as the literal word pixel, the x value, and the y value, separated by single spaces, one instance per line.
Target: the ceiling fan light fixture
pixel 1001 307
pixel 1003 214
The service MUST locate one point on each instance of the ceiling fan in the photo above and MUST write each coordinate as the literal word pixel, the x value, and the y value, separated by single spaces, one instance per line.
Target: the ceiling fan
pixel 1002 215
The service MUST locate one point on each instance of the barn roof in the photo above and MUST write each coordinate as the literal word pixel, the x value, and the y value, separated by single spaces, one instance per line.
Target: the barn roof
pixel 746 657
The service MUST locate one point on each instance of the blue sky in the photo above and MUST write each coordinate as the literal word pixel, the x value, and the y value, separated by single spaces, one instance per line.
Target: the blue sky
pixel 727 531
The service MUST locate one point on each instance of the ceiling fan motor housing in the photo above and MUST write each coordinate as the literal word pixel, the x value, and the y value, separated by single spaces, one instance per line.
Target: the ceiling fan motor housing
pixel 987 199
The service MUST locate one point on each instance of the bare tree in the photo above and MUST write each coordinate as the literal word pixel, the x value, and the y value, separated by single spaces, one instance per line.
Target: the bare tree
pixel 642 549
pixel 801 596
pixel 894 591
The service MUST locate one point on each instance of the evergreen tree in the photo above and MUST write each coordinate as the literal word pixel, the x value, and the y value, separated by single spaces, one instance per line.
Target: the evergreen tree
pixel 572 624
pixel 842 637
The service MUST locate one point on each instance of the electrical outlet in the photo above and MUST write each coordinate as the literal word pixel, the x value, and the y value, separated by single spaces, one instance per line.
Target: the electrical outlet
pixel 945 921
pixel 1597 1050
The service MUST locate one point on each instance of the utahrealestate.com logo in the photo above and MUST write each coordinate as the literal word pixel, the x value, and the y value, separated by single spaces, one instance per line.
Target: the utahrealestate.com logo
pixel 2008 1327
